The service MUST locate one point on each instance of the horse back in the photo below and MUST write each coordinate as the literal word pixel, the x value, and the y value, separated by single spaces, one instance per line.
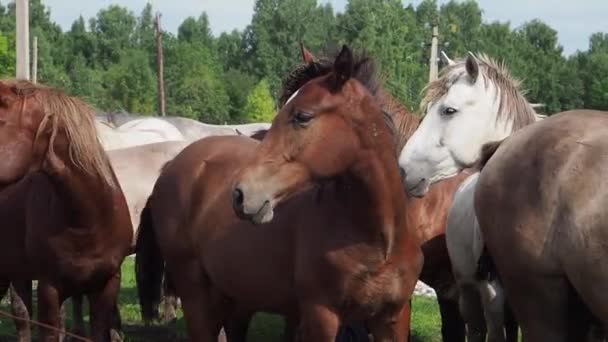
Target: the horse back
pixel 538 180
pixel 190 183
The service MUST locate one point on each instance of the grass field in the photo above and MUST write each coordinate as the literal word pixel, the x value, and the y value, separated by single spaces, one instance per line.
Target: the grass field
pixel 265 328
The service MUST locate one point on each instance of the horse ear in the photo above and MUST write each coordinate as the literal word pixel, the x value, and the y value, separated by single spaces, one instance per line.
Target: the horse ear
pixel 307 56
pixel 472 67
pixel 343 67
pixel 447 59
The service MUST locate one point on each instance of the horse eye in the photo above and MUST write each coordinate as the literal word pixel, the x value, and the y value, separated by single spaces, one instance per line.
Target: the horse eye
pixel 302 118
pixel 449 111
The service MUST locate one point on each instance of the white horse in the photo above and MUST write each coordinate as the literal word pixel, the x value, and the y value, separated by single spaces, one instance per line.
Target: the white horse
pixel 137 169
pixel 475 101
pixel 136 132
pixel 192 130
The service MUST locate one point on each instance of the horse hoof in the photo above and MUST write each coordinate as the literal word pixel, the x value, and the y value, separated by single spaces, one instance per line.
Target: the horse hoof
pixel 115 336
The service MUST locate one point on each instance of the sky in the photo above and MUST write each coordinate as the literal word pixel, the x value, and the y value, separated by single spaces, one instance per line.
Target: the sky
pixel 574 20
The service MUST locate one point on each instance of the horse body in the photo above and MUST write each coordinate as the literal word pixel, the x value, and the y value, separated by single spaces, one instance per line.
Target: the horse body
pixel 478 93
pixel 556 239
pixel 337 253
pixel 190 129
pixel 137 132
pixel 137 169
pixel 65 218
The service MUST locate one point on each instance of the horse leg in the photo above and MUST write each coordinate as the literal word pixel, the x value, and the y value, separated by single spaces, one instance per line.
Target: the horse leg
pixel 201 304
pixel 77 315
pixel 236 327
pixel 511 326
pixel 541 307
pixel 472 312
pixel 169 301
pixel 318 324
pixel 493 301
pixel 102 306
pixel 290 329
pixel 116 324
pixel 452 324
pixel 21 306
pixel 49 307
pixel 389 328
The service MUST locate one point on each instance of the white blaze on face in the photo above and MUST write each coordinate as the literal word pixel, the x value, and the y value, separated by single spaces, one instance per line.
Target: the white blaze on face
pixel 292 96
pixel 445 143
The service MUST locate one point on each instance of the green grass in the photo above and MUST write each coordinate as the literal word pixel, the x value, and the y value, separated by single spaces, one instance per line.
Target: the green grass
pixel 265 327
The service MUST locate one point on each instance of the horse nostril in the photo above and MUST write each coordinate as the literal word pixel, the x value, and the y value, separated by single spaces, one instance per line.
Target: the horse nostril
pixel 237 198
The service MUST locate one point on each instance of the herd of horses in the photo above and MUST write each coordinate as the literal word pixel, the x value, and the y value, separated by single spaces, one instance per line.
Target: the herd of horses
pixel 328 217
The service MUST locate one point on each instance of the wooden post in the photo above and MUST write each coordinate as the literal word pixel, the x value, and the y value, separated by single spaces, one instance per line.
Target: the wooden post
pixel 433 60
pixel 35 59
pixel 23 39
pixel 160 68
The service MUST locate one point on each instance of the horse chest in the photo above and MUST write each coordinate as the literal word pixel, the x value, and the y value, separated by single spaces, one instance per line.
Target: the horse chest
pixel 371 291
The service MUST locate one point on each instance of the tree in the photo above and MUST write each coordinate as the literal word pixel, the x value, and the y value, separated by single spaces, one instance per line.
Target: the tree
pixel 387 31
pixel 113 30
pixel 277 28
pixel 7 56
pixel 260 106
pixel 131 84
pixel 592 66
pixel 196 31
pixel 230 50
pixel 194 85
pixel 238 86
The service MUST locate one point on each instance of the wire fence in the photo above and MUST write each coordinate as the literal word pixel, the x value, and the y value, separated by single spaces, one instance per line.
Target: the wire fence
pixel 46 326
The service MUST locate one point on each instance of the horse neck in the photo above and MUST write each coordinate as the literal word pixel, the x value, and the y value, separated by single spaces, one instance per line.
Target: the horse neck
pixel 405 121
pixel 369 187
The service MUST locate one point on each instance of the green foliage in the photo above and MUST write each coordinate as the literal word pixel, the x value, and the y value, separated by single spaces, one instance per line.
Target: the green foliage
pixel 260 106
pixel 194 84
pixel 277 28
pixel 110 59
pixel 238 86
pixel 130 84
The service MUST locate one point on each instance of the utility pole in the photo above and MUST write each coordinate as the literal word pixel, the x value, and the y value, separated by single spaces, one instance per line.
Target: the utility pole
pixel 160 68
pixel 433 60
pixel 35 59
pixel 23 39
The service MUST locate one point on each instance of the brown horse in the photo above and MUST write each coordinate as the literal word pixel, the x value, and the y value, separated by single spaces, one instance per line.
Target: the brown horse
pixel 66 222
pixel 541 203
pixel 339 252
pixel 429 214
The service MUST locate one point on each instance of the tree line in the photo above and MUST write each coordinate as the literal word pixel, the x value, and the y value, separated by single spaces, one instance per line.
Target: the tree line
pixel 110 59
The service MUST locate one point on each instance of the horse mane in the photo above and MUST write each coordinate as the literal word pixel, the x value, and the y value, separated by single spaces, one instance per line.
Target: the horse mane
pixel 512 105
pixel 77 119
pixel 259 134
pixel 487 151
pixel 401 122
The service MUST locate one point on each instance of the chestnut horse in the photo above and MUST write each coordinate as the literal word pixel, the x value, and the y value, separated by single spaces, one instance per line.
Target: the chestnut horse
pixel 66 222
pixel 340 252
pixel 429 213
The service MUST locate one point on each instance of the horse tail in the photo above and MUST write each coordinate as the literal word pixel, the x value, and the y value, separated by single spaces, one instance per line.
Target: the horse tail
pixel 486 270
pixel 487 151
pixel 149 266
